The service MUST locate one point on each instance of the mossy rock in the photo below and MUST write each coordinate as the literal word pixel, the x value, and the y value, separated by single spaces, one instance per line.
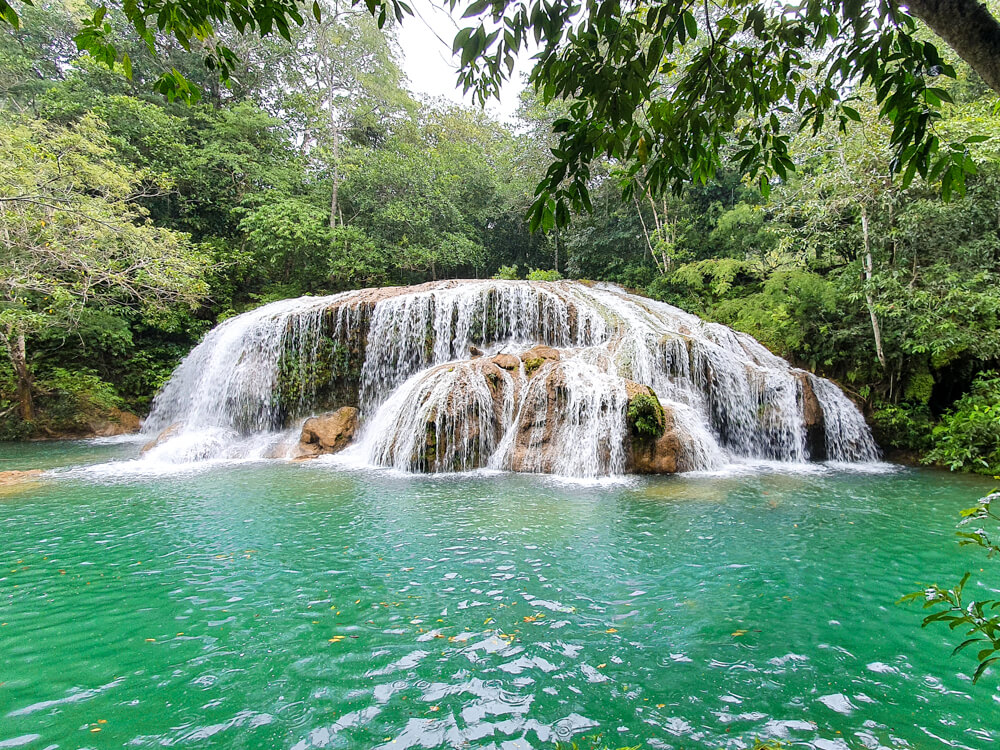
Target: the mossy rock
pixel 645 415
pixel 531 364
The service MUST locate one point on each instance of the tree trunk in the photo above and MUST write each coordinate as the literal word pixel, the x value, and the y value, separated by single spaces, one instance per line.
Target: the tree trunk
pixel 555 255
pixel 969 29
pixel 867 262
pixel 17 351
pixel 336 170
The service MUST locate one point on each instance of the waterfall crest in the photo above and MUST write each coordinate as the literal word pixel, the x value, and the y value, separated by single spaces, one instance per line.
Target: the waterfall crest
pixel 529 376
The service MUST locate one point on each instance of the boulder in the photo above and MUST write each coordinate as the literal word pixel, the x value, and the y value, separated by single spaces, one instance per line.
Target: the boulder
pixel 164 435
pixel 328 433
pixel 506 361
pixel 537 356
pixel 663 455
pixel 541 352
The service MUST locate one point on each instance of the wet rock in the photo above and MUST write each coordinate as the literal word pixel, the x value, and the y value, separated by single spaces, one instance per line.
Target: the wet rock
pixel 461 424
pixel 328 433
pixel 537 356
pixel 475 351
pixel 536 440
pixel 507 361
pixel 812 417
pixel 664 455
pixel 644 413
pixel 541 352
pixel 164 436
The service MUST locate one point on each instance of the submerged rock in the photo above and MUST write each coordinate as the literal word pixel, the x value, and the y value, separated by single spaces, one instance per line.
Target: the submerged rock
pixel 328 433
pixel 8 478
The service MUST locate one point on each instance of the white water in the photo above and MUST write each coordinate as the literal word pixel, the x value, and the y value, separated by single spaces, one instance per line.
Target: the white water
pixel 428 404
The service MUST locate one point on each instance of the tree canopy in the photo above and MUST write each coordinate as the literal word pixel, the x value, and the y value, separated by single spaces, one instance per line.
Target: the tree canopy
pixel 671 87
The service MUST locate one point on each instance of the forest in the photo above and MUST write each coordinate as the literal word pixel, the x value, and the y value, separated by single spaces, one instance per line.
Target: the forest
pixel 134 219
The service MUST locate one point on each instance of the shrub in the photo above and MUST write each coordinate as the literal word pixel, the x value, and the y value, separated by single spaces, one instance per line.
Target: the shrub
pixel 903 426
pixel 537 274
pixel 71 398
pixel 645 416
pixel 968 437
pixel 508 273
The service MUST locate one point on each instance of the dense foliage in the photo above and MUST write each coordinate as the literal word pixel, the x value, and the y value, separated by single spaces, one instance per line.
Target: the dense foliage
pixel 133 223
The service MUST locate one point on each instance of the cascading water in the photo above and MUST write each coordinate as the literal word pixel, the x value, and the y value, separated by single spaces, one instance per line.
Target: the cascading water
pixel 529 376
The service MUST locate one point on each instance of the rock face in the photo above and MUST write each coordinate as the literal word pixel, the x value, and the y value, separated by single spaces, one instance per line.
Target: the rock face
pixel 328 433
pixel 812 419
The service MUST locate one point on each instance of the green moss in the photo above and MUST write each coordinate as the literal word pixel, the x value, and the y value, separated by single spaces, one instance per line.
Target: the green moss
pixel 533 363
pixel 645 416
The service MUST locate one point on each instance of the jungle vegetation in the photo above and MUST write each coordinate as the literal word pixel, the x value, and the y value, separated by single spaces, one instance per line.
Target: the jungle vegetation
pixel 142 203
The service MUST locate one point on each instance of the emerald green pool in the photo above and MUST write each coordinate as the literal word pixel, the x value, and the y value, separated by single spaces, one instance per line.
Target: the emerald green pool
pixel 274 605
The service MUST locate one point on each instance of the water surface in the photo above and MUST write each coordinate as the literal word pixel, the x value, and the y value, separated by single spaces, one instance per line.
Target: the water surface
pixel 274 605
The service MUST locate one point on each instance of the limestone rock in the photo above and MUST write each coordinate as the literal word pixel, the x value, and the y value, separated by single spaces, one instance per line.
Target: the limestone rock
pixel 813 419
pixel 536 438
pixel 506 361
pixel 664 455
pixel 328 433
pixel 165 435
pixel 541 352
pixel 537 356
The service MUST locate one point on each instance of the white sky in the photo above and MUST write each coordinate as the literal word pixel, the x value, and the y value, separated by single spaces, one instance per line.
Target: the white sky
pixel 426 39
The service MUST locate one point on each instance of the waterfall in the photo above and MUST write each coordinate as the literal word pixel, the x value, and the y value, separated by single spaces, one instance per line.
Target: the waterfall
pixel 527 376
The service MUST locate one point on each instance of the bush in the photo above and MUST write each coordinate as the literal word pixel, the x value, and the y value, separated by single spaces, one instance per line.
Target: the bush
pixel 903 426
pixel 968 437
pixel 537 274
pixel 70 399
pixel 508 273
pixel 645 416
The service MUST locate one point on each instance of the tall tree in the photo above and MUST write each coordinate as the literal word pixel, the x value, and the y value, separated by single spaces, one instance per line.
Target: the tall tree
pixel 72 235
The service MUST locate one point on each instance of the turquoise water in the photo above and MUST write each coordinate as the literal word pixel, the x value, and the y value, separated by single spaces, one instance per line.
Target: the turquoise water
pixel 276 605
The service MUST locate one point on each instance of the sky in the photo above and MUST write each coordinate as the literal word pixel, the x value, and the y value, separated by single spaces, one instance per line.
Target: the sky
pixel 426 40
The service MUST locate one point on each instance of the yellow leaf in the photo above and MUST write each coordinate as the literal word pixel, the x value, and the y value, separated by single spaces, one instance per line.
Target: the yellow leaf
pixel 611 630
pixel 738 633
